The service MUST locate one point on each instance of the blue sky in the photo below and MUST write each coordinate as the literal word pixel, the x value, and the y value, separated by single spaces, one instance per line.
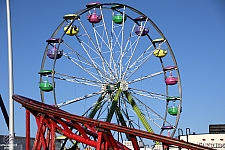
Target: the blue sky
pixel 194 29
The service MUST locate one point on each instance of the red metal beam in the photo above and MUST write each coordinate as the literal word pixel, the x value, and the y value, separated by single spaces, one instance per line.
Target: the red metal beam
pixel 112 141
pixel 27 130
pixel 36 142
pixel 134 142
pixel 48 138
pixel 52 137
pixel 67 118
pixel 99 144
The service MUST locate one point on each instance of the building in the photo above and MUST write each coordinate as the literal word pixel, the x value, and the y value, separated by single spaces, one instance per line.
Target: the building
pixel 20 143
pixel 214 139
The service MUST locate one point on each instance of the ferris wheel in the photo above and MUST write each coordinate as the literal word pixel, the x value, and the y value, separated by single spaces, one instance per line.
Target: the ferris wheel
pixel 110 62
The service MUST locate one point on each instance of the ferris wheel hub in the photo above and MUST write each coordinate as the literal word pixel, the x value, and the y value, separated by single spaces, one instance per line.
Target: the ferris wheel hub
pixel 111 87
pixel 124 85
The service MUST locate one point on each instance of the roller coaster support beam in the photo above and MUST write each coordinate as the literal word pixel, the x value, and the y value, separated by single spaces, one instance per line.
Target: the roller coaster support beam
pixel 52 120
pixel 27 130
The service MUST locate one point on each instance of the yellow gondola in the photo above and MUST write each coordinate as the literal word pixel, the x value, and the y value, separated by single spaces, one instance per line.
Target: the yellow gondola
pixel 72 30
pixel 160 53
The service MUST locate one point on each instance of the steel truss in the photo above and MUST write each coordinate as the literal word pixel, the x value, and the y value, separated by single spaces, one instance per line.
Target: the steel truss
pixel 98 134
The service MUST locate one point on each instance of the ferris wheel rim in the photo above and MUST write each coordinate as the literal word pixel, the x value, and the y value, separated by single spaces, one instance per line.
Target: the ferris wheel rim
pixel 83 11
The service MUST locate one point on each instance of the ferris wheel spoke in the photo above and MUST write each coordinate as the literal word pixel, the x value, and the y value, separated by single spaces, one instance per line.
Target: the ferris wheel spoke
pixel 99 46
pixel 78 80
pixel 151 75
pixel 81 64
pixel 138 112
pixel 120 47
pixel 113 105
pixel 98 110
pixel 105 28
pixel 109 46
pixel 121 121
pixel 125 103
pixel 139 62
pixel 123 52
pixel 129 121
pixel 96 50
pixel 117 38
pixel 94 63
pixel 81 61
pixel 111 61
pixel 79 99
pixel 101 111
pixel 133 51
pixel 129 39
pixel 122 38
pixel 94 75
pixel 132 124
pixel 120 117
pixel 96 106
pixel 146 77
pixel 113 51
pixel 149 94
pixel 150 113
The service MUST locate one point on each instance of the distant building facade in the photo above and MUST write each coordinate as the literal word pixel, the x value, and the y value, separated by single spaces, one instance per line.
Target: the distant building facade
pixel 20 143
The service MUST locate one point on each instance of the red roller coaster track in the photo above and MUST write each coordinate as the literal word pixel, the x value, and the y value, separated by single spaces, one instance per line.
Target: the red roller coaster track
pixel 51 120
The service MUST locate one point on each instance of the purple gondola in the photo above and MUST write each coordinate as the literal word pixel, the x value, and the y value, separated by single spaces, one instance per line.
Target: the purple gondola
pixel 52 53
pixel 140 31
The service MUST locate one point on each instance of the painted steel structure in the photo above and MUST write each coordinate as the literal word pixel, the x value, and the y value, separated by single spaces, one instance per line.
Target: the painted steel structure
pixel 122 64
pixel 98 134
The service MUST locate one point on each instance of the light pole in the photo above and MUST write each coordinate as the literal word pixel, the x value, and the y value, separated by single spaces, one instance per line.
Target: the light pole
pixel 11 86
